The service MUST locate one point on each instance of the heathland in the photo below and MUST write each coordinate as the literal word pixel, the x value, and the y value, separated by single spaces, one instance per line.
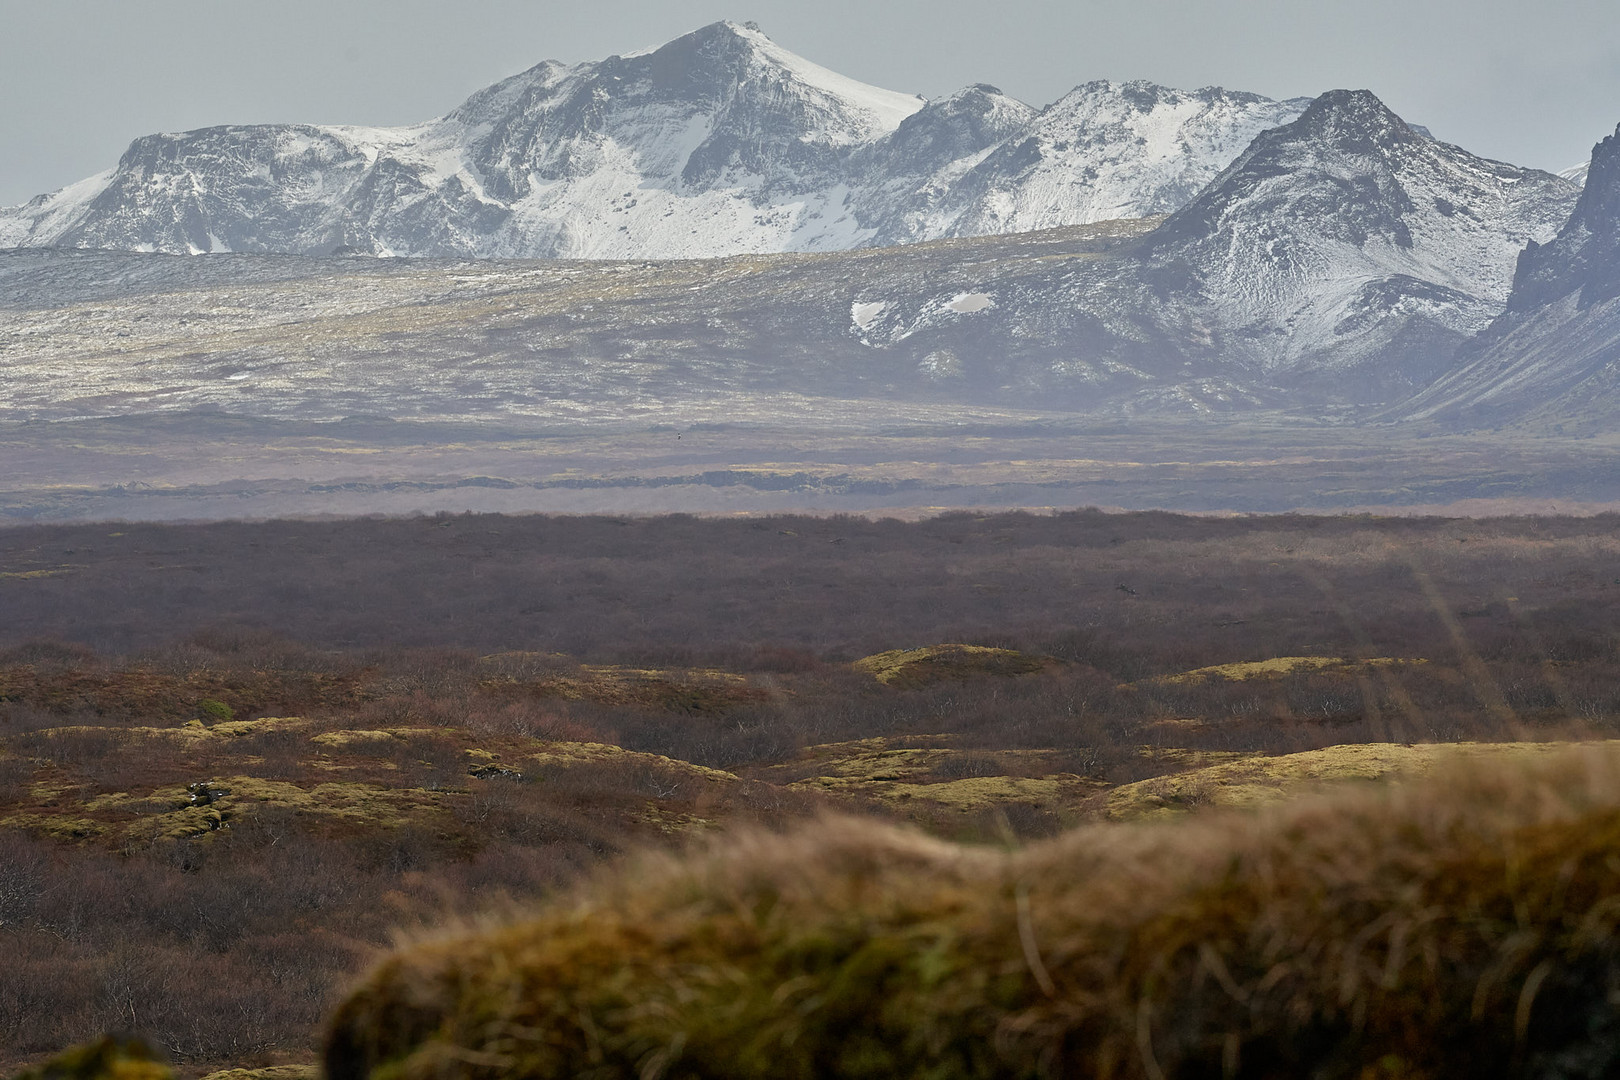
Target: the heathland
pixel 236 759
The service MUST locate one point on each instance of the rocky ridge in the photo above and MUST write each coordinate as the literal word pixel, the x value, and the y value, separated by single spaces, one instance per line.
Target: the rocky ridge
pixel 718 143
pixel 1553 357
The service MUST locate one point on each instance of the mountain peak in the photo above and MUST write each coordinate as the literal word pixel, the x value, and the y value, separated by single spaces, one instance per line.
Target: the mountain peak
pixel 1350 165
pixel 723 57
pixel 724 34
pixel 1585 256
pixel 1599 204
pixel 1551 356
pixel 1354 121
pixel 1357 229
pixel 950 129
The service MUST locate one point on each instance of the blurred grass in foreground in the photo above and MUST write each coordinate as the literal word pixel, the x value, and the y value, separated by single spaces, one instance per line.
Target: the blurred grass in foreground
pixel 1460 924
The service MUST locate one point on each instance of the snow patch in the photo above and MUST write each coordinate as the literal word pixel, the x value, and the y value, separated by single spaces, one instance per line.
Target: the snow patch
pixel 864 315
pixel 941 364
pixel 969 302
pixel 887 107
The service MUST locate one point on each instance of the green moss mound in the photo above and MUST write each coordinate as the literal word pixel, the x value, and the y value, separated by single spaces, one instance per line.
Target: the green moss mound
pixel 1462 924
pixel 108 1058
pixel 216 710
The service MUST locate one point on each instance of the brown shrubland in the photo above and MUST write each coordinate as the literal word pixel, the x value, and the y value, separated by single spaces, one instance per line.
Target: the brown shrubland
pixel 672 644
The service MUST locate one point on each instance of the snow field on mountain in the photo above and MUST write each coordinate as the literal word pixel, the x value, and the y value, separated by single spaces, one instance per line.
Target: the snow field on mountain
pixel 725 142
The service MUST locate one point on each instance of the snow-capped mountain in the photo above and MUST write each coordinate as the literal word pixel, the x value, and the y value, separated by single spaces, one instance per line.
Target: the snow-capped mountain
pixel 720 142
pixel 1341 260
pixel 1323 275
pixel 1129 249
pixel 1103 152
pixel 1352 245
pixel 1554 354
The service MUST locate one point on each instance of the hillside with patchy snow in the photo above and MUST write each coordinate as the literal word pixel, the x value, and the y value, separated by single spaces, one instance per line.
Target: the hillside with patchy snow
pixel 1329 274
pixel 1350 246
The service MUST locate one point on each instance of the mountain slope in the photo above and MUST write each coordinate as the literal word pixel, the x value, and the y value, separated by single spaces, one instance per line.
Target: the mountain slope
pixel 1338 263
pixel 1105 151
pixel 1554 354
pixel 1350 246
pixel 720 142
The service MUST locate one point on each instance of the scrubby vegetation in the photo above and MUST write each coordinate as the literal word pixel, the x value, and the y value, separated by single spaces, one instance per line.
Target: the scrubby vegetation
pixel 235 758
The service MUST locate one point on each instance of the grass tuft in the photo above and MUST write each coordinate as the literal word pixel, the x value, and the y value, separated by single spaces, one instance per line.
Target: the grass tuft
pixel 1461 924
pixel 108 1058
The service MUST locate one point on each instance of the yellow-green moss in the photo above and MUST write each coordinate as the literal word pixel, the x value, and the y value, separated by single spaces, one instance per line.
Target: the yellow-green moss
pixel 348 788
pixel 368 737
pixel 988 792
pixel 66 826
pixel 578 753
pixel 238 728
pixel 356 804
pixel 906 774
pixel 193 730
pixel 272 1072
pixel 1278 667
pixel 908 668
pixel 683 690
pixel 1250 781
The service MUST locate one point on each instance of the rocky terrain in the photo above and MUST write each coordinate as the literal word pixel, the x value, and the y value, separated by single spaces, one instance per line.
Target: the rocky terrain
pixel 1552 359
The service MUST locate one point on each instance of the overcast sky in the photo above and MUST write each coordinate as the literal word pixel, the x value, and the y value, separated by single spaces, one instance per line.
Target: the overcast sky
pixel 1535 82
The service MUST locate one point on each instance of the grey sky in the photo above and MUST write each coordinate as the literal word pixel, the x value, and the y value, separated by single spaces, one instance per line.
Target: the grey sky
pixel 1536 82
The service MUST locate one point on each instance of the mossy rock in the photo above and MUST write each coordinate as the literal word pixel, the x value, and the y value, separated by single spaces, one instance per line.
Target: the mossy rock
pixel 907 669
pixel 270 1072
pixel 687 690
pixel 1250 781
pixel 564 754
pixel 108 1058
pixel 905 775
pixel 335 803
pixel 1279 667
pixel 340 740
pixel 67 827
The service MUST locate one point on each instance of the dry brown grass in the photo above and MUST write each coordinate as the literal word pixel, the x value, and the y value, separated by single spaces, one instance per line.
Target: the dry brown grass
pixel 1459 926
